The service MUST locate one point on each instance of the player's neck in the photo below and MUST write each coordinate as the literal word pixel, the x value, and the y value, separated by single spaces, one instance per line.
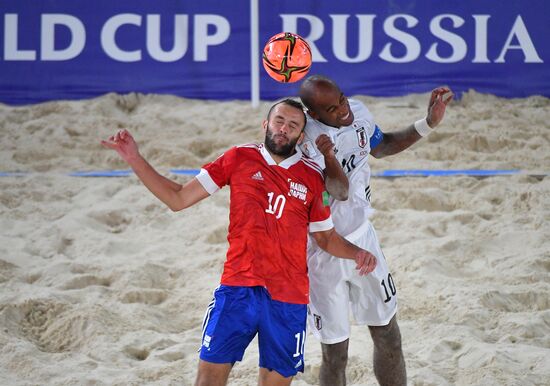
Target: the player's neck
pixel 280 158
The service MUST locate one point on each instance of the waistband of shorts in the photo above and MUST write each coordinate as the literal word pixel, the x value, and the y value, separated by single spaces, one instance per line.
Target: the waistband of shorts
pixel 359 232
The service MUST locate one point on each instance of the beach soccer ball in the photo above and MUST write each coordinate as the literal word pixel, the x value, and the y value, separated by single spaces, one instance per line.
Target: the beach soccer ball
pixel 286 57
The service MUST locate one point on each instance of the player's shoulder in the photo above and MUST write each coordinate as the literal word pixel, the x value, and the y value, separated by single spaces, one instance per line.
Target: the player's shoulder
pixel 239 152
pixel 314 128
pixel 311 165
pixel 360 110
pixel 362 116
pixel 246 148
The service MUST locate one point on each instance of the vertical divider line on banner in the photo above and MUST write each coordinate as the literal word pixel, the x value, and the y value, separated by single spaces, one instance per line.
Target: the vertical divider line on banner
pixel 254 55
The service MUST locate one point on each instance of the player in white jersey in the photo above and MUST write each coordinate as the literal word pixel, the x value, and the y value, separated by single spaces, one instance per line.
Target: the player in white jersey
pixel 340 135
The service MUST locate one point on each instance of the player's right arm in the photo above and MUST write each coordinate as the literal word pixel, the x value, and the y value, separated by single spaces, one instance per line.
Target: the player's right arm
pixel 174 195
pixel 336 182
pixel 322 230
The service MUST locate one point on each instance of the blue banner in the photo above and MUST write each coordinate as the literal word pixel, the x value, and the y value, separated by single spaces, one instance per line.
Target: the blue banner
pixel 70 49
pixel 398 47
pixel 61 49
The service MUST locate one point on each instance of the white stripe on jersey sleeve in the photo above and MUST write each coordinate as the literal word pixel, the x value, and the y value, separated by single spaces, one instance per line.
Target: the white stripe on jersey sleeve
pixel 313 166
pixel 320 226
pixel 207 182
pixel 252 145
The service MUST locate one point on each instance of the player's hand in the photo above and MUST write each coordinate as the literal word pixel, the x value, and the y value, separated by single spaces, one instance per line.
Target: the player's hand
pixel 123 143
pixel 439 99
pixel 325 145
pixel 366 262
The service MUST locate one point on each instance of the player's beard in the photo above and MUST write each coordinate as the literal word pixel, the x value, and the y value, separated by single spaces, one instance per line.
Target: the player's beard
pixel 281 150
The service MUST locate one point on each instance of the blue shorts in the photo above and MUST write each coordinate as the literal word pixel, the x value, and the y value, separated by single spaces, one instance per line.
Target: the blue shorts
pixel 237 314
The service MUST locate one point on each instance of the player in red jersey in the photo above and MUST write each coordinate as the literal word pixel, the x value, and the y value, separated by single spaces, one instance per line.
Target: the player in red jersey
pixel 276 199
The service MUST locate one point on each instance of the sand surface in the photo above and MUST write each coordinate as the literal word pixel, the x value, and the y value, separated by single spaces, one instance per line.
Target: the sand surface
pixel 100 284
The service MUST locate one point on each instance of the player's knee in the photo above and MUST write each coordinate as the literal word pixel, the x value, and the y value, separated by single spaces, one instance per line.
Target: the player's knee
pixel 206 380
pixel 335 356
pixel 201 381
pixel 203 378
pixel 212 374
pixel 336 362
pixel 387 337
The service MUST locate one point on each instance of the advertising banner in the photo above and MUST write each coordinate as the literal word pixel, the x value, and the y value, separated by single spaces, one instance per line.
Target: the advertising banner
pixel 67 49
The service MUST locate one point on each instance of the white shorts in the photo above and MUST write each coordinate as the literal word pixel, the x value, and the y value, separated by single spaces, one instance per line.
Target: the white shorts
pixel 336 289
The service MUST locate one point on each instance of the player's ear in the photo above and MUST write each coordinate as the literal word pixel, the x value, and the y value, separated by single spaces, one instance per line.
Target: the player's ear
pixel 264 125
pixel 300 138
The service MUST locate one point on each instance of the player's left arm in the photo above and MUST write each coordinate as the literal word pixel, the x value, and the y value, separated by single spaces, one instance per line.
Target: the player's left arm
pixel 336 245
pixel 397 141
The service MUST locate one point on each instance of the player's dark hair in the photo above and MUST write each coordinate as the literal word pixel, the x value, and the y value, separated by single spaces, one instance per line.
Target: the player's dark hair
pixel 291 103
pixel 307 87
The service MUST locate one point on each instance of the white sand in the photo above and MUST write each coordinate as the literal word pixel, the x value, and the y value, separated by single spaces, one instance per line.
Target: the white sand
pixel 100 284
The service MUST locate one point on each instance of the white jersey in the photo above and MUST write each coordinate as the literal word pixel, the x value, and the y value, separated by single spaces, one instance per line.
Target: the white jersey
pixel 352 147
pixel 335 284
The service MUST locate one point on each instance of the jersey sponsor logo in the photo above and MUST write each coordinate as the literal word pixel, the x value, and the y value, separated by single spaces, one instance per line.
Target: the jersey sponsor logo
pixel 297 190
pixel 258 176
pixel 361 137
pixel 317 321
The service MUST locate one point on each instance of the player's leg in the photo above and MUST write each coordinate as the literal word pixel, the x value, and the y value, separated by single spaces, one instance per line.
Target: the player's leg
pixel 212 374
pixel 230 324
pixel 334 362
pixel 389 363
pixel 374 302
pixel 272 378
pixel 328 320
pixel 328 317
pixel 281 340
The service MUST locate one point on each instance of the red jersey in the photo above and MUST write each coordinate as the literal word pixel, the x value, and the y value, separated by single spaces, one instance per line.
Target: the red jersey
pixel 272 207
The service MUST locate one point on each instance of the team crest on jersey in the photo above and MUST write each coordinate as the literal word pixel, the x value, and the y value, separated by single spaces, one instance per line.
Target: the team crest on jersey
pixel 317 321
pixel 297 190
pixel 361 136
